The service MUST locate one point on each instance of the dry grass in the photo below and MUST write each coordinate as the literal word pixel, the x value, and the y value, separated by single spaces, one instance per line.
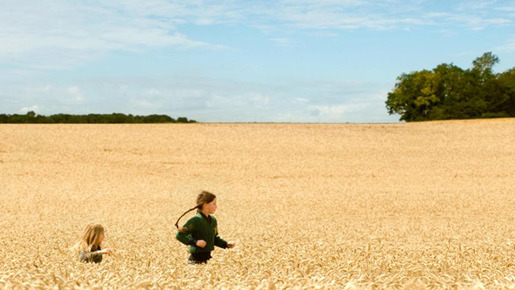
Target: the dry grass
pixel 329 206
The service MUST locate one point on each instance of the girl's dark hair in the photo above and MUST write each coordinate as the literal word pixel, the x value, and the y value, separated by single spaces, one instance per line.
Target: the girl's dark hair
pixel 203 198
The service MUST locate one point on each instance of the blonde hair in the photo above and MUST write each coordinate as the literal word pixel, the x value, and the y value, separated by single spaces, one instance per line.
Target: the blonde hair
pixel 90 237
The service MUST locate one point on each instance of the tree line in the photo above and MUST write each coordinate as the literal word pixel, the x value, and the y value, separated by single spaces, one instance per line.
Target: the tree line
pixel 449 92
pixel 32 117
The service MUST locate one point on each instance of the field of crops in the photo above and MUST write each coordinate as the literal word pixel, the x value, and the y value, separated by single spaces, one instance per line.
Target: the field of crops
pixel 309 205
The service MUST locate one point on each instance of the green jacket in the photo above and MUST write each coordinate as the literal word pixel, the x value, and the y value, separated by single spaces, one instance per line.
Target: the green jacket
pixel 200 227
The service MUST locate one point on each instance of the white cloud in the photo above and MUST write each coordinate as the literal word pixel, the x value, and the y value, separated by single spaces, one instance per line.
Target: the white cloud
pixel 151 92
pixel 207 99
pixel 148 100
pixel 61 34
pixel 477 22
pixel 283 42
pixel 76 94
pixel 33 108
pixel 390 14
pixel 45 98
pixel 300 101
pixel 258 99
pixel 337 110
pixel 250 100
pixel 64 34
pixel 509 46
pixel 509 10
pixel 42 89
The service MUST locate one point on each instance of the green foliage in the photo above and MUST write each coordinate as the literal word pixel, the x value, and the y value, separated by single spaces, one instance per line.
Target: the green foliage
pixel 507 84
pixel 415 95
pixel 449 92
pixel 482 66
pixel 32 117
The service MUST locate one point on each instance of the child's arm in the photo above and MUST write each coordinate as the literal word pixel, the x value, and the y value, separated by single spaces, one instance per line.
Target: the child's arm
pixel 95 256
pixel 90 256
pixel 184 234
pixel 186 239
pixel 219 242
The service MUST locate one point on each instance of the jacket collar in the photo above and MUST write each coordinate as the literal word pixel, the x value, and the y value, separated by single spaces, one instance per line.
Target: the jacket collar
pixel 208 218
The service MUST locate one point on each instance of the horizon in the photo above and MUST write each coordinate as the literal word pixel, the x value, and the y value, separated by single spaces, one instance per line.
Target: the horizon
pixel 254 62
pixel 467 120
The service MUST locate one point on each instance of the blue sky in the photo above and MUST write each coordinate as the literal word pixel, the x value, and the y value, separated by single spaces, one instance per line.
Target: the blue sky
pixel 236 61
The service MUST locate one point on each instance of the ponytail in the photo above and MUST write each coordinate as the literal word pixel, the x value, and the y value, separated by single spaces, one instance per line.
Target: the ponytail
pixel 202 198
pixel 181 230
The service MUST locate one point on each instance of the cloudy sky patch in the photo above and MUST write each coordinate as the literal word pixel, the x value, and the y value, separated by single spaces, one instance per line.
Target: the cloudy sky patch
pixel 269 61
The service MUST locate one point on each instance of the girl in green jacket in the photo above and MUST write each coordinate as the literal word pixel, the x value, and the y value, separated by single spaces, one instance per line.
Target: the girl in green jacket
pixel 200 232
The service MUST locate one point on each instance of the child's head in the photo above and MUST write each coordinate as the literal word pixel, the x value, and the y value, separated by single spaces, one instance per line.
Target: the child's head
pixel 93 235
pixel 206 201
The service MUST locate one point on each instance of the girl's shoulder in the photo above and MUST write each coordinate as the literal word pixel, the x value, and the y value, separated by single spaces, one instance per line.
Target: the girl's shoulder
pixel 196 218
pixel 200 217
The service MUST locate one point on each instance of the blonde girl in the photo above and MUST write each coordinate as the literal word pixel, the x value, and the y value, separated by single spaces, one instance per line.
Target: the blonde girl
pixel 200 232
pixel 89 247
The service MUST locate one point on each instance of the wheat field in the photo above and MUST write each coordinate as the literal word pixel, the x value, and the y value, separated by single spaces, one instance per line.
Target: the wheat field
pixel 415 205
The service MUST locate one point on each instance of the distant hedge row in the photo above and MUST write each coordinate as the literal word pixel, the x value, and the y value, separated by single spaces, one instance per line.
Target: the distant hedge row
pixel 114 118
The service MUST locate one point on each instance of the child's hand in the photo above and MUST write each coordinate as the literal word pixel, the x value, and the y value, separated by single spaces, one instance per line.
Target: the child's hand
pixel 105 251
pixel 231 245
pixel 201 243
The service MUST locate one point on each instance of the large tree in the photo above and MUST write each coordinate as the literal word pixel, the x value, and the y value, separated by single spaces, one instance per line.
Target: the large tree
pixel 414 96
pixel 449 92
